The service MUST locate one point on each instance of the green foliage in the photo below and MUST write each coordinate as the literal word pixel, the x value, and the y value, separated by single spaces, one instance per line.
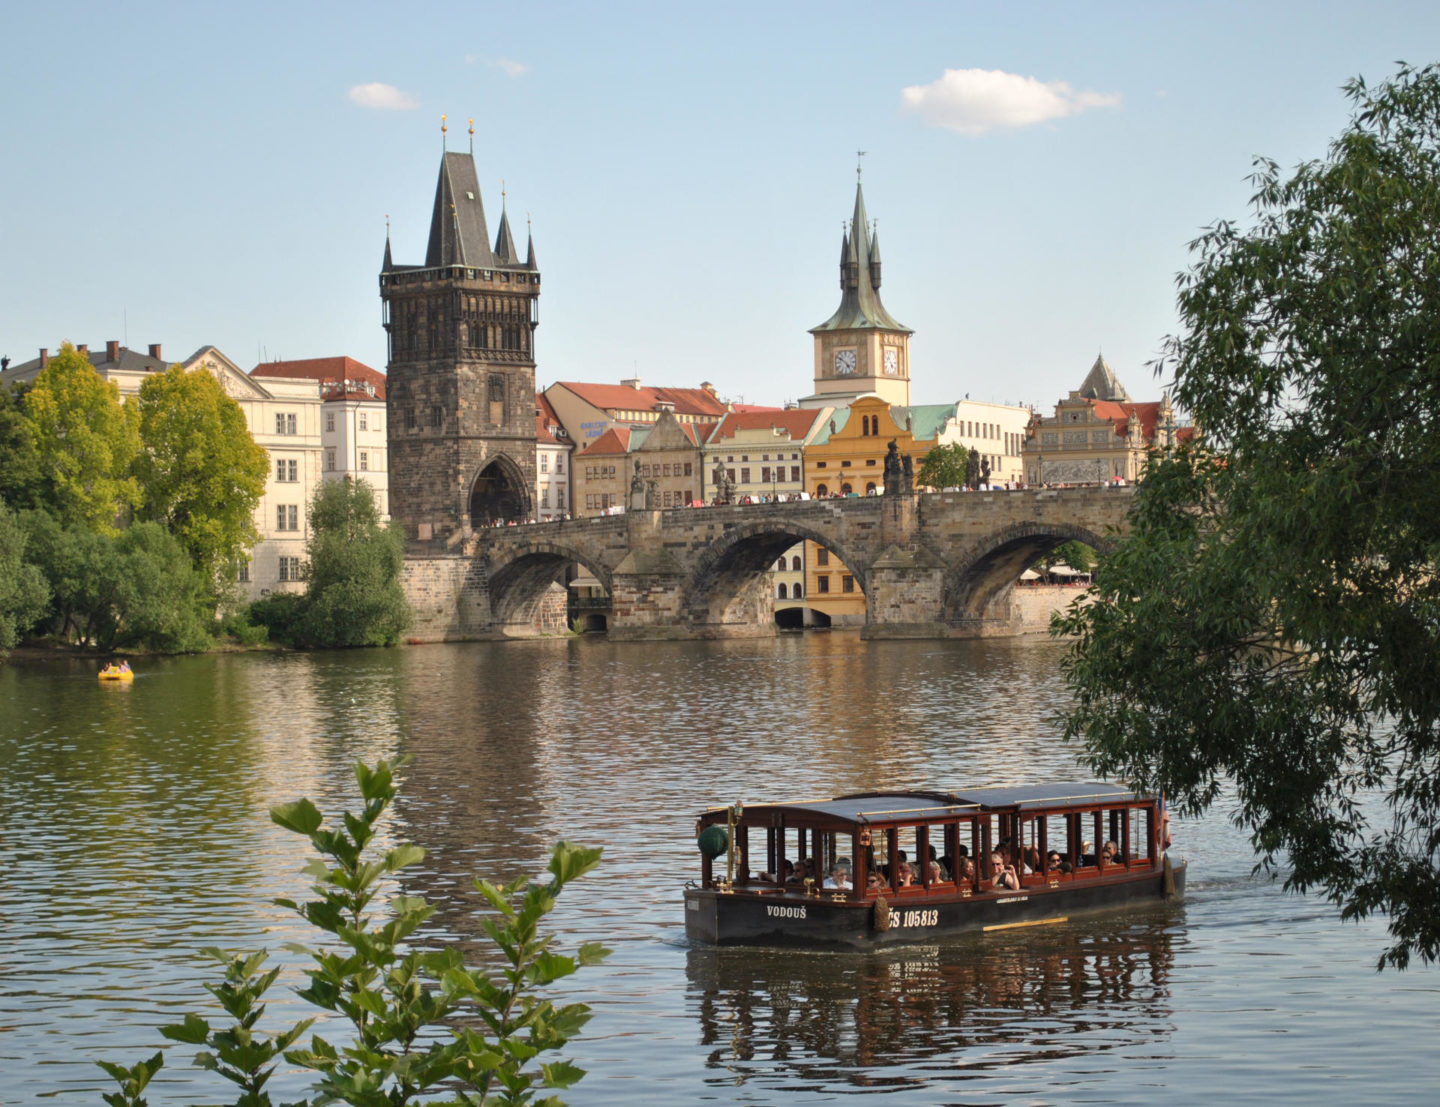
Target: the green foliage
pixel 86 441
pixel 1274 617
pixel 1077 555
pixel 132 1081
pixel 280 614
pixel 353 594
pixel 22 478
pixel 239 1054
pixel 426 1027
pixel 24 595
pixel 201 473
pixel 943 467
pixel 238 625
pixel 137 588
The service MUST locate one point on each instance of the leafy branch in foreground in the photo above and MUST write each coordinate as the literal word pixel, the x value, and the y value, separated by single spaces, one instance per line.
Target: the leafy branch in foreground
pixel 424 1024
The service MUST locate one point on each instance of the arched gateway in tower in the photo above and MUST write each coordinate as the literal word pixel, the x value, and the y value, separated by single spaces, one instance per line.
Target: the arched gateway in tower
pixel 460 388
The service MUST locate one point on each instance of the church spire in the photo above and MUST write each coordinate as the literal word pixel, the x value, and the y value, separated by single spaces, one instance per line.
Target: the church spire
pixel 504 242
pixel 860 306
pixel 529 244
pixel 387 264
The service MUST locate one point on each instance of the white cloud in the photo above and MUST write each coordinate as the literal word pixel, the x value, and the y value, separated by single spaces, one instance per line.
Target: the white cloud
pixel 508 66
pixel 382 97
pixel 973 101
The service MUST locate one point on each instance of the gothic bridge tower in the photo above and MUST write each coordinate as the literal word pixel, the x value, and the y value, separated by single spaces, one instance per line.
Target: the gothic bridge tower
pixel 460 388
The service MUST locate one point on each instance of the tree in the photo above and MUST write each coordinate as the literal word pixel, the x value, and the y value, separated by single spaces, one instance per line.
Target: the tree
pixel 353 594
pixel 1273 619
pixel 86 440
pixel 23 593
pixel 22 479
pixel 201 473
pixel 943 467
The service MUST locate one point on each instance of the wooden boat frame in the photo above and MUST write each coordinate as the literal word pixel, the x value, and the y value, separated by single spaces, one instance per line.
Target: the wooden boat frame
pixel 731 906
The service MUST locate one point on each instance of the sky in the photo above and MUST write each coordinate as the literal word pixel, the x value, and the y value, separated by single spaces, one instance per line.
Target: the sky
pixel 194 174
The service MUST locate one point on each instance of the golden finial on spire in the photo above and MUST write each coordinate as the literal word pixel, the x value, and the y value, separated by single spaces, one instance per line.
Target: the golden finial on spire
pixel 472 138
pixel 502 193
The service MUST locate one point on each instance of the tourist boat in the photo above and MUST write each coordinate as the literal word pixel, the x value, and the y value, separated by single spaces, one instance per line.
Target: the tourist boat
pixel 1065 831
pixel 114 672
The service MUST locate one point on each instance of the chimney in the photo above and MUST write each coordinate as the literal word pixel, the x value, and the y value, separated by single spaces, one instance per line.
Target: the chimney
pixel 155 350
pixel 112 350
pixel 630 382
pixel 44 357
pixel 663 406
pixel 83 349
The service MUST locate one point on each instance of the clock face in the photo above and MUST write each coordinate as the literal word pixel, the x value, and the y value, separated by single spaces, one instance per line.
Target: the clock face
pixel 892 361
pixel 844 362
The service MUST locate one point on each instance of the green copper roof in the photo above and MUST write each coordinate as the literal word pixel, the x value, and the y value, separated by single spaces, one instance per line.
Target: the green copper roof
pixel 926 420
pixel 860 307
pixel 834 425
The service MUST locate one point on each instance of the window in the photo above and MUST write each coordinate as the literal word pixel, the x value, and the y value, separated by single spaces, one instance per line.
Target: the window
pixel 329 420
pixel 287 517
pixel 820 464
pixel 285 423
pixel 437 416
pixel 847 583
pixel 797 592
pixel 364 422
pixel 560 496
pixel 544 463
pixel 795 564
pixel 242 572
pixel 730 473
pixel 287 470
pixel 497 396
pixel 780 565
pixel 687 469
pixel 329 459
pixel 410 418
pixel 765 475
pixel 559 463
pixel 289 568
pixel 364 460
pixel 822 584
pixel 744 476
pixel 795 474
pixel 780 592
pixel 822 556
pixel 822 490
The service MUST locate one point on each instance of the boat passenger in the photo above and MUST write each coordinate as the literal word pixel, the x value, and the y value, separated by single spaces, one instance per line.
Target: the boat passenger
pixel 1087 855
pixel 124 666
pixel 1032 860
pixel 1003 876
pixel 944 869
pixel 967 870
pixel 839 875
pixel 1112 852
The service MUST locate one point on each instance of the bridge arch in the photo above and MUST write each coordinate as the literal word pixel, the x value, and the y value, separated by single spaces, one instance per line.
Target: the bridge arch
pixel 986 571
pixel 520 576
pixel 729 578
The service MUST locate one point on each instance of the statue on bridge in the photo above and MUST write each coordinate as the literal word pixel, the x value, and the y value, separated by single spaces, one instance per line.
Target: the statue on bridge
pixel 894 471
pixel 909 473
pixel 637 490
pixel 724 486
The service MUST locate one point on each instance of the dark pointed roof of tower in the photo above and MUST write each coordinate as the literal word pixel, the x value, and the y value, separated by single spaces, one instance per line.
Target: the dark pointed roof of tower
pixel 1102 384
pixel 458 235
pixel 530 251
pixel 860 307
pixel 504 243
pixel 387 264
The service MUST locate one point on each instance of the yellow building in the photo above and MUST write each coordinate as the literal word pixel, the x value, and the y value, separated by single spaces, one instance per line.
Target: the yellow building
pixel 846 457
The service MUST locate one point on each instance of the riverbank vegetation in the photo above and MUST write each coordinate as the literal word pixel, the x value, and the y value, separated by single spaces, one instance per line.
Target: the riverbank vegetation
pixel 425 1027
pixel 123 524
pixel 1273 618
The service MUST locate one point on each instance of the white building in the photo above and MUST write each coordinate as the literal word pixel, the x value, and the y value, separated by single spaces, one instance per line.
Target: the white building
pixel 352 434
pixel 553 450
pixel 997 431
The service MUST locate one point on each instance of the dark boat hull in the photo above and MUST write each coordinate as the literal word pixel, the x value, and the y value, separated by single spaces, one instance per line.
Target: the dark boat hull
pixel 791 919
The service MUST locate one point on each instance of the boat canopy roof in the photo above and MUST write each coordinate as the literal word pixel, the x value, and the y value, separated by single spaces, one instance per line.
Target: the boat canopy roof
pixel 873 808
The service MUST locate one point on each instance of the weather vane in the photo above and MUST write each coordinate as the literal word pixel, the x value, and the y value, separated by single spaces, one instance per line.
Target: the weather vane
pixel 858 155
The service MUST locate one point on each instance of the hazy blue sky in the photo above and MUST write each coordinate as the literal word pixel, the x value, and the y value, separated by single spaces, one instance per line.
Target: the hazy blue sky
pixel 192 173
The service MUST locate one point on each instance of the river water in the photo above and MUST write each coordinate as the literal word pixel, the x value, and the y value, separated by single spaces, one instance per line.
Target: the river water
pixel 135 832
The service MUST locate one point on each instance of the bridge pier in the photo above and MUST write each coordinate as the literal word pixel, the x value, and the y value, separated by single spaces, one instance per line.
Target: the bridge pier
pixel 903 594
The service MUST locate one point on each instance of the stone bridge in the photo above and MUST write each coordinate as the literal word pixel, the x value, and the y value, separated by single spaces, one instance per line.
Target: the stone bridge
pixel 932 565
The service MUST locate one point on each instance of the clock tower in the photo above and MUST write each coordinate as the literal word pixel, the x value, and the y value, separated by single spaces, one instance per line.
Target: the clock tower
pixel 861 348
pixel 460 388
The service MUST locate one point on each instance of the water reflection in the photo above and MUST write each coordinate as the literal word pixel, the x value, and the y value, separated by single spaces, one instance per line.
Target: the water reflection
pixel 935 1012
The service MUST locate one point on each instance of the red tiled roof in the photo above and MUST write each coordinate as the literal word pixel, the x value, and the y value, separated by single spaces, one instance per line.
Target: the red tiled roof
pixel 545 420
pixel 795 422
pixel 754 407
pixel 621 397
pixel 1120 415
pixel 616 440
pixel 333 373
